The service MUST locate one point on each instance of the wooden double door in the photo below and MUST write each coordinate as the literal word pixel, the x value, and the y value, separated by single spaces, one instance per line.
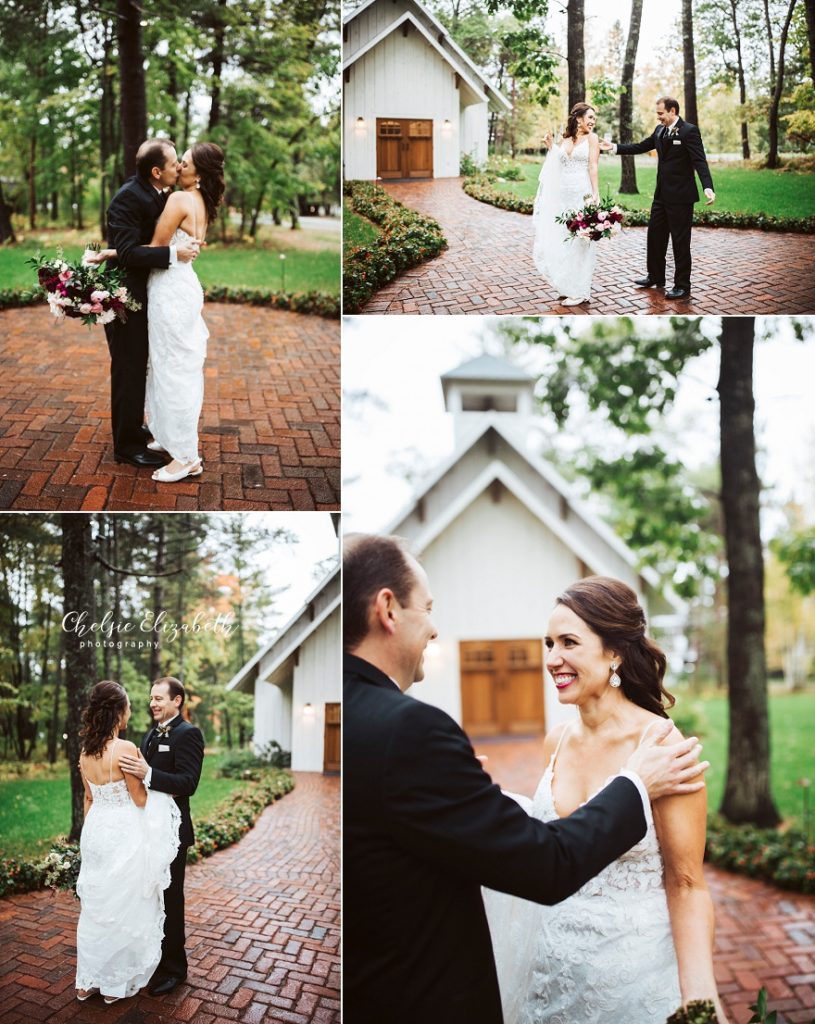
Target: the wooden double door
pixel 501 686
pixel 332 747
pixel 404 148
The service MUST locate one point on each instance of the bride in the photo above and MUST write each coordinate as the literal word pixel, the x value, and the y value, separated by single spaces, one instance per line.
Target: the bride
pixel 636 941
pixel 177 334
pixel 568 177
pixel 128 841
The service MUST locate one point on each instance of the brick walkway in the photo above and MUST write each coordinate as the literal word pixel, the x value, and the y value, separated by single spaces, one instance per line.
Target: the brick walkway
pixel 262 932
pixel 488 267
pixel 764 936
pixel 269 432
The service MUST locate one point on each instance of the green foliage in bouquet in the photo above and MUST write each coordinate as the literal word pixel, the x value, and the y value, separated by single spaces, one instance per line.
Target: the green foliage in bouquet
pixel 698 1011
pixel 94 294
pixel 407 239
pixel 61 866
pixel 759 1008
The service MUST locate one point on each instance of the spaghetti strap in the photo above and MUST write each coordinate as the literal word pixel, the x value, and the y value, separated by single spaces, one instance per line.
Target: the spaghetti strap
pixel 110 766
pixel 644 733
pixel 557 748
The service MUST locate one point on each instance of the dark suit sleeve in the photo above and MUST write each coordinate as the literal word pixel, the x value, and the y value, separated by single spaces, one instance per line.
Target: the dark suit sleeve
pixel 696 152
pixel 189 757
pixel 125 231
pixel 633 148
pixel 444 808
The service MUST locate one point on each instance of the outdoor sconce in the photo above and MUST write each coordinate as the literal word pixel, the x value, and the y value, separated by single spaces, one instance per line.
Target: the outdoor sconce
pixel 446 125
pixel 360 122
pixel 308 710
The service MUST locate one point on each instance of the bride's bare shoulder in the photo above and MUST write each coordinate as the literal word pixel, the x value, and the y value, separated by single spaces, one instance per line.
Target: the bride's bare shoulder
pixel 552 739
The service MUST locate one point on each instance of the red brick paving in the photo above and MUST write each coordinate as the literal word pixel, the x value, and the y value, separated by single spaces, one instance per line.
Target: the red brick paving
pixel 764 936
pixel 263 932
pixel 488 267
pixel 269 432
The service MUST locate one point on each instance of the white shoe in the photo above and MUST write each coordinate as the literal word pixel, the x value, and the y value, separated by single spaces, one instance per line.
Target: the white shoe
pixel 569 301
pixel 154 446
pixel 162 476
pixel 83 994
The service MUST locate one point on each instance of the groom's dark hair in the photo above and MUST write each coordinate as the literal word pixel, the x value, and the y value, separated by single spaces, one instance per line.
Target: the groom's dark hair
pixel 175 686
pixel 371 564
pixel 669 102
pixel 151 154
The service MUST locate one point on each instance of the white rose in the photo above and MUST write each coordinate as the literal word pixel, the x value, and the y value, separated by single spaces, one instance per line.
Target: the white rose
pixel 106 317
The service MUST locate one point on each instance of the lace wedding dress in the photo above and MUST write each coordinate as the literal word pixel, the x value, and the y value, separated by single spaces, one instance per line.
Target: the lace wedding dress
pixel 126 856
pixel 177 338
pixel 604 954
pixel 567 263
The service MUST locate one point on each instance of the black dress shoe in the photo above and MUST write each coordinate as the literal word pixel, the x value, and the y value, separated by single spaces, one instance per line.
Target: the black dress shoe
pixel 678 293
pixel 145 430
pixel 646 282
pixel 144 460
pixel 163 985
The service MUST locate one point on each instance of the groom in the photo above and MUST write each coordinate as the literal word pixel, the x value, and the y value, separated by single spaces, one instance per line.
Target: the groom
pixel 679 153
pixel 170 761
pixel 424 827
pixel 132 217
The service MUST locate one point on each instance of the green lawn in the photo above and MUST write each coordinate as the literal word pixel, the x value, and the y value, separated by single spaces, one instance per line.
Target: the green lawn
pixel 792 756
pixel 357 230
pixel 738 189
pixel 234 265
pixel 33 812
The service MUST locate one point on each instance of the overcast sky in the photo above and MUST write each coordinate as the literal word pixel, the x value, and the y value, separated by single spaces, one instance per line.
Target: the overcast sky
pixel 399 360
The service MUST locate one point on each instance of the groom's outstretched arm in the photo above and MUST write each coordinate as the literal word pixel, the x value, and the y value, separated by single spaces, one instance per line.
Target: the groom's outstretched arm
pixel 443 808
pixel 189 757
pixel 626 148
pixel 125 232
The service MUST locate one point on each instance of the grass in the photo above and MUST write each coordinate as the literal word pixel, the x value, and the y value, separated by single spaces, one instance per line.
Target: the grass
pixel 312 263
pixel 792 717
pixel 357 230
pixel 34 811
pixel 738 189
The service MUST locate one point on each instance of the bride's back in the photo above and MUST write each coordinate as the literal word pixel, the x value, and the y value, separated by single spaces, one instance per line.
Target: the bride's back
pixel 102 769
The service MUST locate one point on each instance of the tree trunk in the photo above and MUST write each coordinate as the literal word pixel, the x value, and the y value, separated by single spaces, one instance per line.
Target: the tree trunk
pixel 745 140
pixel 131 76
pixel 257 210
pixel 628 174
pixel 747 796
pixel 217 68
pixel 158 600
pixel 172 93
pixel 32 181
pixel 768 25
pixel 772 155
pixel 810 16
pixel 689 63
pixel 6 228
pixel 575 51
pixel 54 733
pixel 77 576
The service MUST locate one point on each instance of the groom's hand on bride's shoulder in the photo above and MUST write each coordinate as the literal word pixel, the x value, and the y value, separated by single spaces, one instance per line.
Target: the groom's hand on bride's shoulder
pixel 133 765
pixel 667 764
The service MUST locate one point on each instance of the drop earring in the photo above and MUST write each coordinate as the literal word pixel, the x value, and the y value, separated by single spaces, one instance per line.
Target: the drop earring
pixel 615 679
pixel 197 182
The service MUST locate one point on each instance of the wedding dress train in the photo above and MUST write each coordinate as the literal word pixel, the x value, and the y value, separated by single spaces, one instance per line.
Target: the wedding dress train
pixel 567 263
pixel 604 954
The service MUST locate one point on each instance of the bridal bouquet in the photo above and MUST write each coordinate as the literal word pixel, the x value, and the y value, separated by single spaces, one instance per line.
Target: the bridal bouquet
pixel 594 222
pixel 91 293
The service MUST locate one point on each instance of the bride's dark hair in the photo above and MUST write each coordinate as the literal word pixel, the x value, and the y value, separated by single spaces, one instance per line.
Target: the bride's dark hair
pixel 610 608
pixel 107 703
pixel 209 165
pixel 578 110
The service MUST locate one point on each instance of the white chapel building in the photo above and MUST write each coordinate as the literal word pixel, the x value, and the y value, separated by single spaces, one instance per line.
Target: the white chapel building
pixel 501 534
pixel 413 101
pixel 296 683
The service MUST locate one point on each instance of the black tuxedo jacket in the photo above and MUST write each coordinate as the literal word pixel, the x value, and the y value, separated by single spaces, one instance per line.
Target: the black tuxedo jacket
pixel 678 158
pixel 423 829
pixel 177 770
pixel 132 217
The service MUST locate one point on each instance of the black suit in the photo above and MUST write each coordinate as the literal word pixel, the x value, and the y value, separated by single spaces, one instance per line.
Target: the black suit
pixel 423 829
pixel 132 217
pixel 679 155
pixel 177 771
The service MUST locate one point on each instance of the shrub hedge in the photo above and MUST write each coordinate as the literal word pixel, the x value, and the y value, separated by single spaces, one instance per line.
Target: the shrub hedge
pixel 229 822
pixel 407 239
pixel 783 859
pixel 481 187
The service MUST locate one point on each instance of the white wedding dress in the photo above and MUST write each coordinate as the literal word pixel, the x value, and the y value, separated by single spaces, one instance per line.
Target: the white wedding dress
pixel 177 338
pixel 604 954
pixel 567 263
pixel 126 855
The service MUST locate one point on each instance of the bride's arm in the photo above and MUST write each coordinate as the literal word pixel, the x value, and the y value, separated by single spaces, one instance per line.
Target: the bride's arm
pixel 594 160
pixel 680 823
pixel 135 786
pixel 174 212
pixel 88 794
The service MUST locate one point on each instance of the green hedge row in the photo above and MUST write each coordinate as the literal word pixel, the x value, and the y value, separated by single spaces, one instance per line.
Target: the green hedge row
pixel 783 859
pixel 313 303
pixel 407 239
pixel 228 823
pixel 481 187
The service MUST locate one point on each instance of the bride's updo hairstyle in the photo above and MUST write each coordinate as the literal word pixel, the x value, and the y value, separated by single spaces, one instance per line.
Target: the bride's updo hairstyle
pixel 578 110
pixel 209 166
pixel 106 705
pixel 611 610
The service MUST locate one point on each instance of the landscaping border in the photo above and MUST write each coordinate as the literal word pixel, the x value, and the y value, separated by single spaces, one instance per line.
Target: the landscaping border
pixel 227 824
pixel 312 303
pixel 408 238
pixel 784 859
pixel 480 186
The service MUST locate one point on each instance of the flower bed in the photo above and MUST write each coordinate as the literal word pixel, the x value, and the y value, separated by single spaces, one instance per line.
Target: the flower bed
pixel 783 859
pixel 408 238
pixel 229 823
